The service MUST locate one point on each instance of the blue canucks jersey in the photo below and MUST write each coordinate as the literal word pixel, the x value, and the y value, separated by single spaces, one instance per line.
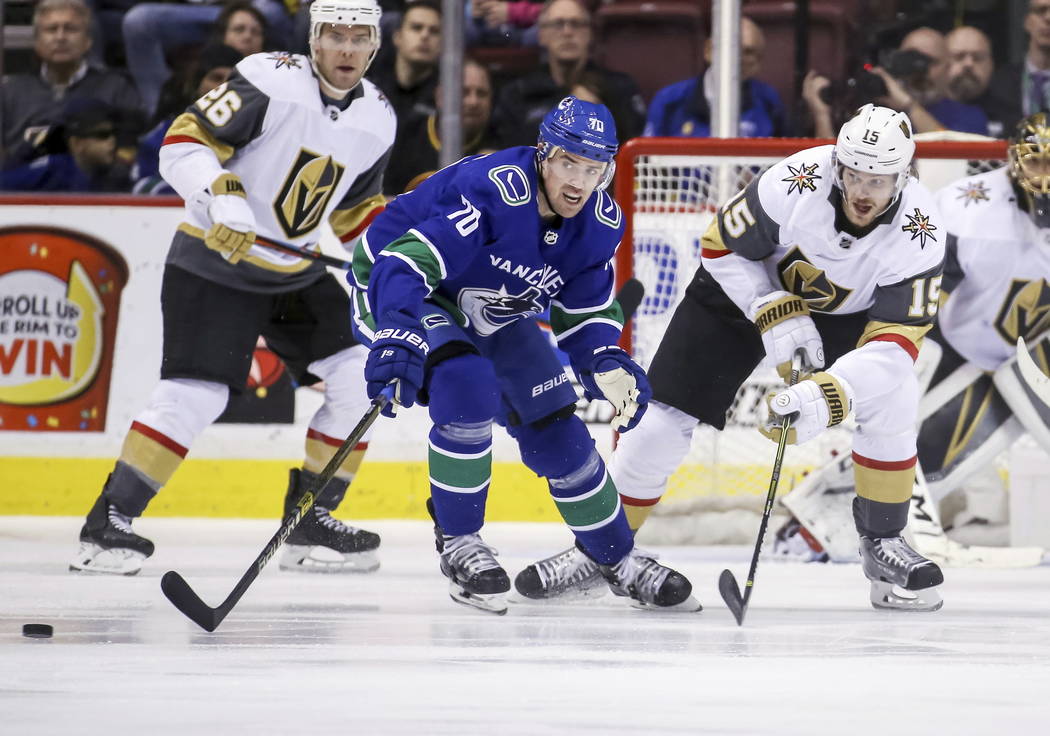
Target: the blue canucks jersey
pixel 471 239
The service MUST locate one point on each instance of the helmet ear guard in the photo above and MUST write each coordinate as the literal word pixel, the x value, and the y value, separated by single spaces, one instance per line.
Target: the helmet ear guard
pixel 583 129
pixel 1029 160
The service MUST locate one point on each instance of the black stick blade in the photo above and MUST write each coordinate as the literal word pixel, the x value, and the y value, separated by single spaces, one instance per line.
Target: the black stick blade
pixel 181 595
pixel 630 296
pixel 730 591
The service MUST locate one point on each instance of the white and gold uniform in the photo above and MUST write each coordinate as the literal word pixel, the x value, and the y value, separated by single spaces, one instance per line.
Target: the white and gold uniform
pixel 997 270
pixel 269 126
pixel 872 294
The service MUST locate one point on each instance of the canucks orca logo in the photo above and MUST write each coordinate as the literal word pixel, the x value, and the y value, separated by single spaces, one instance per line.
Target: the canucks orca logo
pixel 1025 312
pixel 801 277
pixel 489 309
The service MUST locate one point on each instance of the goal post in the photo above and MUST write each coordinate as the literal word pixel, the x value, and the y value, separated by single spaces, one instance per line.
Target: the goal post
pixel 669 190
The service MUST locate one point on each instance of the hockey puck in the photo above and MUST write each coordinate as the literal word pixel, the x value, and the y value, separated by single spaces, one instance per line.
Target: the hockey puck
pixel 37 631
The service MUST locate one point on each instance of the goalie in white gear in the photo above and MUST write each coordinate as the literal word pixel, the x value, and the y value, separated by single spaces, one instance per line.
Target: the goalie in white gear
pixel 996 288
pixel 288 142
pixel 835 251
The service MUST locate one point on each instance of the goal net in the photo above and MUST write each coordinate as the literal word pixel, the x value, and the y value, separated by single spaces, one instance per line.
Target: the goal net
pixel 669 189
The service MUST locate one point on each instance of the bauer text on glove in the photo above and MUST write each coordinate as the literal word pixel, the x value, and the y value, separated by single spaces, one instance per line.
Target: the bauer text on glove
pixel 398 354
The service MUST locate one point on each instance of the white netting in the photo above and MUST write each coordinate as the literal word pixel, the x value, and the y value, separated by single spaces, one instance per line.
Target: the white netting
pixel 669 196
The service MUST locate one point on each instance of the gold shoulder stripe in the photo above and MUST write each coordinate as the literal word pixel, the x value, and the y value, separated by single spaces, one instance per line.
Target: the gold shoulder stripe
pixel 348 224
pixel 187 127
pixel 908 337
pixel 711 244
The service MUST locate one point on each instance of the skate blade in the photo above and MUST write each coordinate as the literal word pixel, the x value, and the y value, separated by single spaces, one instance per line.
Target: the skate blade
pixel 307 558
pixel 569 595
pixel 689 605
pixel 95 560
pixel 490 603
pixel 889 597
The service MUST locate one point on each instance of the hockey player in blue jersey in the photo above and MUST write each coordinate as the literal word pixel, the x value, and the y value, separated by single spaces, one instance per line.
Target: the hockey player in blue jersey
pixel 447 283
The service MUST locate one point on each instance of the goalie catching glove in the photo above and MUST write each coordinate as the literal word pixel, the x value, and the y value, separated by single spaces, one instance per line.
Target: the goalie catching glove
pixel 613 376
pixel 819 402
pixel 783 321
pixel 398 354
pixel 232 232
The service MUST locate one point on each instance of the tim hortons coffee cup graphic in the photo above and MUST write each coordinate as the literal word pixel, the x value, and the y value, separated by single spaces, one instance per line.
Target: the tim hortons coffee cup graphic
pixel 59 302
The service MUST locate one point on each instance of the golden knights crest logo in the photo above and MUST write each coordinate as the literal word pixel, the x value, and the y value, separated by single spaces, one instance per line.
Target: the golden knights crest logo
pixel 919 226
pixel 801 277
pixel 802 178
pixel 307 189
pixel 972 192
pixel 283 59
pixel 1025 311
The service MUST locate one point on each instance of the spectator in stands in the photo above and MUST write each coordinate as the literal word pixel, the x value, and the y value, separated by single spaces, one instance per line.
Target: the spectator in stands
pixel 242 27
pixel 418 145
pixel 684 108
pixel 566 34
pixel 923 95
pixel 31 104
pixel 1019 89
pixel 502 22
pixel 409 79
pixel 89 162
pixel 970 67
pixel 153 29
pixel 213 66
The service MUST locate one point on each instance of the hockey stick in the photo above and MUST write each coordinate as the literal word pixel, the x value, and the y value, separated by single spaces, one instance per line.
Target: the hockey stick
pixel 1038 381
pixel 298 250
pixel 727 584
pixel 182 596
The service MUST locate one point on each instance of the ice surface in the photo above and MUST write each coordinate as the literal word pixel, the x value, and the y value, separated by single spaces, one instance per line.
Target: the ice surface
pixel 389 653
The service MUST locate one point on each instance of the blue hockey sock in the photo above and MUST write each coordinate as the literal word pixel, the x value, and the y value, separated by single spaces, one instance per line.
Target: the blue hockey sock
pixel 588 501
pixel 460 471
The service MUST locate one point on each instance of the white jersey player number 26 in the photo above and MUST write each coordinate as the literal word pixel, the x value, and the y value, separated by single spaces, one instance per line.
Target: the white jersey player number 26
pixel 220 104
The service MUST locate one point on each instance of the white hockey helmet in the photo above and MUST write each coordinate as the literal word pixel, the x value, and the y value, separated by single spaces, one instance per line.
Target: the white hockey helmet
pixel 348 13
pixel 876 140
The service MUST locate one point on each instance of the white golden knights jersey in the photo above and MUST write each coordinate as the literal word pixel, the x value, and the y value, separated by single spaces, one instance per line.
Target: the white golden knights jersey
pixel 997 271
pixel 788 223
pixel 302 158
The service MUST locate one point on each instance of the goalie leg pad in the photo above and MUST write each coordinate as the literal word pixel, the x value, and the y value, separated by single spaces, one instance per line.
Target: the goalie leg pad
pixel 1029 409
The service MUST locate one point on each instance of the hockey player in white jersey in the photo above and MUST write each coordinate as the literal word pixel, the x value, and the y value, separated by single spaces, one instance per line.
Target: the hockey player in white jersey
pixel 996 288
pixel 835 251
pixel 288 142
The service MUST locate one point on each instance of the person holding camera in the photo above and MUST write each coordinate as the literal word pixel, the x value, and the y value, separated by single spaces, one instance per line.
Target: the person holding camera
pixel 916 78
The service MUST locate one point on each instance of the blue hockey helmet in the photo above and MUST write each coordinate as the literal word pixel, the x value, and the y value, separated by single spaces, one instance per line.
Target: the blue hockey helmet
pixel 581 128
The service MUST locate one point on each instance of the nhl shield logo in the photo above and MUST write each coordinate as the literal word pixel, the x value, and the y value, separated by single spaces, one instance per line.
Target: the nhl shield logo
pixel 550 237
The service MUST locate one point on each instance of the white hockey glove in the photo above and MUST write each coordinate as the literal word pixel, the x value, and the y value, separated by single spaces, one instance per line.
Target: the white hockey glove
pixel 783 321
pixel 232 232
pixel 819 402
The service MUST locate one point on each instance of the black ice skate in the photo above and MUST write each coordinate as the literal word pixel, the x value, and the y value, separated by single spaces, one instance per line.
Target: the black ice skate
pixel 901 578
pixel 322 543
pixel 649 584
pixel 108 544
pixel 474 577
pixel 568 575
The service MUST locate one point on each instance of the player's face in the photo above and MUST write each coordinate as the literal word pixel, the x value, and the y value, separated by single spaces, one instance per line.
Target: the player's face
pixel 341 53
pixel 569 181
pixel 865 196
